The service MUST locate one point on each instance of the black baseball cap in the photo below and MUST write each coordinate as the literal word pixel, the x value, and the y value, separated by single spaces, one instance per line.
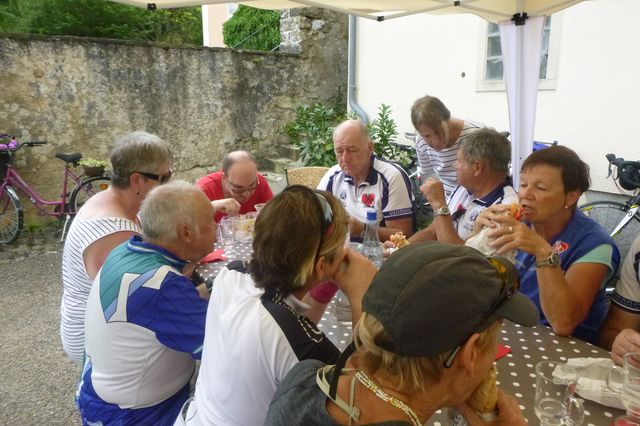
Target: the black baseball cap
pixel 431 297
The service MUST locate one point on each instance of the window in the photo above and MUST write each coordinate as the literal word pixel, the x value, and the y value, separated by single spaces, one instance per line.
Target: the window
pixel 491 76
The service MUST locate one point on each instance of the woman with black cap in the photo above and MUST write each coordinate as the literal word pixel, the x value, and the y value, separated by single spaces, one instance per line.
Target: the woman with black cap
pixel 426 339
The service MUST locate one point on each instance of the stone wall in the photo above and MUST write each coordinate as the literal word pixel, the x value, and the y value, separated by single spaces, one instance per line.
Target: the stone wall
pixel 79 94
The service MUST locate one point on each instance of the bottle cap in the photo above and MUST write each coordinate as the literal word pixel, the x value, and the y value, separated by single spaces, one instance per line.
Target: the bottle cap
pixel 372 216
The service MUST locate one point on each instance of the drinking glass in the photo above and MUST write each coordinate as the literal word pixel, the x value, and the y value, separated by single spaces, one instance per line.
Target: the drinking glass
pixel 243 228
pixel 626 380
pixel 227 239
pixel 554 402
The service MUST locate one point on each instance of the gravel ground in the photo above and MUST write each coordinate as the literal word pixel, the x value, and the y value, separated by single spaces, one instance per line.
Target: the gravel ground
pixel 37 382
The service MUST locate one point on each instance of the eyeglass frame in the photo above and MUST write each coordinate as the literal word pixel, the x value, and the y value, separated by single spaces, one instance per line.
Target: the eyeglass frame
pixel 327 218
pixel 251 188
pixel 506 292
pixel 162 179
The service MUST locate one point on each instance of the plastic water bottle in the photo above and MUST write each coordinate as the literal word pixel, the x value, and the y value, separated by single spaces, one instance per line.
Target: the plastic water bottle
pixel 371 245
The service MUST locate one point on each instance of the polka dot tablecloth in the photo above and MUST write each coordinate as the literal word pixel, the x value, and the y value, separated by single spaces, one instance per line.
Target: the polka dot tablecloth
pixel 516 371
pixel 207 272
pixel 516 374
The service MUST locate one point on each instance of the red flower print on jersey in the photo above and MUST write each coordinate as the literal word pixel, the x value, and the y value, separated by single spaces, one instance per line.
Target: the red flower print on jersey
pixel 560 246
pixel 368 199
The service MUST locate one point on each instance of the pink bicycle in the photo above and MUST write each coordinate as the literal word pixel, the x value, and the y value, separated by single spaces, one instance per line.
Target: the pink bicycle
pixel 11 214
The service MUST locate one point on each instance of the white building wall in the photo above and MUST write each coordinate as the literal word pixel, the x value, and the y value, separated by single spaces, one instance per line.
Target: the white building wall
pixel 594 108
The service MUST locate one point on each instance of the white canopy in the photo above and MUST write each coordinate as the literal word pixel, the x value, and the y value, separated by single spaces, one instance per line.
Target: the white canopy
pixel 520 23
pixel 491 10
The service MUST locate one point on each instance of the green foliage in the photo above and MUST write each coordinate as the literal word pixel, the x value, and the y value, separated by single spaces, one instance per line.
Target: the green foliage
pixel 312 131
pixel 252 29
pixel 313 127
pixel 92 162
pixel 101 18
pixel 383 131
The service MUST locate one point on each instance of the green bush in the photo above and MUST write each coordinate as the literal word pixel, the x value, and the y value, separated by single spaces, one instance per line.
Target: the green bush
pixel 312 131
pixel 313 127
pixel 252 29
pixel 101 18
pixel 383 130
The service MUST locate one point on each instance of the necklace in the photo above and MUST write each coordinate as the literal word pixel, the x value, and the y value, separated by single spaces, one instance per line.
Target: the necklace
pixel 373 387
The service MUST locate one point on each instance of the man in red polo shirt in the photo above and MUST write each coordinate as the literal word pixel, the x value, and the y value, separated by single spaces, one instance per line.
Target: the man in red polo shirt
pixel 238 187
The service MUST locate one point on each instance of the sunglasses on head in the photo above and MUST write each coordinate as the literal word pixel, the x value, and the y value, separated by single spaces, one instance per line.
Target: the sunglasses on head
pixel 160 178
pixel 506 292
pixel 327 213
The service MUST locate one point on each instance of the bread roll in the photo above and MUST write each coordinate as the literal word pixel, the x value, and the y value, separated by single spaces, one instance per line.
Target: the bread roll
pixel 485 397
pixel 399 239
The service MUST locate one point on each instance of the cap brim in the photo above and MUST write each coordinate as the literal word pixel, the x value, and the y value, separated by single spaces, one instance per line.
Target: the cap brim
pixel 521 310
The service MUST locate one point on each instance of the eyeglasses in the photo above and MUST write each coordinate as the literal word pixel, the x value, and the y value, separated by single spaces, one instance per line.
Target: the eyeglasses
pixel 160 178
pixel 509 288
pixel 241 190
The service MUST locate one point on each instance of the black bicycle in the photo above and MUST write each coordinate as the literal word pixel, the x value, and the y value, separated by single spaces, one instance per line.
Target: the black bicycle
pixel 620 220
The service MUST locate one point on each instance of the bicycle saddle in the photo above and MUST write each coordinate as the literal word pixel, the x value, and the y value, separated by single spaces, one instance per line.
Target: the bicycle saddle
pixel 69 158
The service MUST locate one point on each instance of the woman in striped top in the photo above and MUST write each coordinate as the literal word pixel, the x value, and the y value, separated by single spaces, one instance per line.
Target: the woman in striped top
pixel 437 140
pixel 140 161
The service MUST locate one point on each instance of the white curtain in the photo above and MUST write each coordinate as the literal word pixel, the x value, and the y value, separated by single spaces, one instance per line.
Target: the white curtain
pixel 521 47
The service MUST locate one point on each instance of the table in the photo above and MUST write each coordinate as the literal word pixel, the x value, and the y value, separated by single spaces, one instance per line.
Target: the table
pixel 516 375
pixel 207 273
pixel 516 371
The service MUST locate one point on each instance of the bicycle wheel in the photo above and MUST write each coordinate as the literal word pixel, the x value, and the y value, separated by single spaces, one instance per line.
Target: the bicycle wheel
pixel 609 214
pixel 11 216
pixel 86 189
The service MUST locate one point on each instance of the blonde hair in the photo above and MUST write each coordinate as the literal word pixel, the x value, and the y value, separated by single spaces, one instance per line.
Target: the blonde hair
pixel 412 374
pixel 288 238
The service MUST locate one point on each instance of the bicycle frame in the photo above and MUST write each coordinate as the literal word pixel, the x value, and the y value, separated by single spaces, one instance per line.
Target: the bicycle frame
pixel 14 179
pixel 633 209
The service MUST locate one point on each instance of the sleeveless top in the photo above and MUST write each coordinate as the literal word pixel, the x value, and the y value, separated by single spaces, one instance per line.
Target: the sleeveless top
pixel 579 237
pixel 76 283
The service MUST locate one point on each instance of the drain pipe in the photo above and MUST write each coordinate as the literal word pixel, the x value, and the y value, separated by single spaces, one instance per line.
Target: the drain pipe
pixel 351 75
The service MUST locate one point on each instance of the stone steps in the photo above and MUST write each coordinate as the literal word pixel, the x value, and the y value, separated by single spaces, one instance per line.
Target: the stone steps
pixel 291 152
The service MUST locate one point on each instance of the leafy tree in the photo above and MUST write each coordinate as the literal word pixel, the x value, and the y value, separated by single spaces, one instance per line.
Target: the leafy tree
pixel 101 18
pixel 253 29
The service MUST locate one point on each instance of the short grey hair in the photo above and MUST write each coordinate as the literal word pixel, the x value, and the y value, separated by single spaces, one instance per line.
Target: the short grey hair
pixel 489 146
pixel 234 157
pixel 138 152
pixel 167 207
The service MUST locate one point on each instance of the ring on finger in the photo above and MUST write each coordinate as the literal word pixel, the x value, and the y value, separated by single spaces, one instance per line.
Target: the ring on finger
pixel 510 229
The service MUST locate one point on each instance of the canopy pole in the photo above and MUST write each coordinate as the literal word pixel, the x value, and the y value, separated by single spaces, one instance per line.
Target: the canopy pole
pixel 351 73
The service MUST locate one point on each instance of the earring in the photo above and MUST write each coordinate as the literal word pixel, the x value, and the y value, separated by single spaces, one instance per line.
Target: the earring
pixel 138 194
pixel 566 207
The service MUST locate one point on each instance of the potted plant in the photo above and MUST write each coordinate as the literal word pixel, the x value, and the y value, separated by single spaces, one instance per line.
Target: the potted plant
pixel 93 167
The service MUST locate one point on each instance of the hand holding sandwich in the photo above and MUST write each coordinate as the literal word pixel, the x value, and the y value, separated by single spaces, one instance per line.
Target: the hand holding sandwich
pixel 509 413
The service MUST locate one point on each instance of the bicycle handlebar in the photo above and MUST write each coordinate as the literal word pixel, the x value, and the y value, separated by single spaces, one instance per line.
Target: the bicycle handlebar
pixel 13 144
pixel 628 171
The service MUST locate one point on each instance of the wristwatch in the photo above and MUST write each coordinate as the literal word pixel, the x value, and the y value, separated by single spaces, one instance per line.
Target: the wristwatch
pixel 552 260
pixel 442 211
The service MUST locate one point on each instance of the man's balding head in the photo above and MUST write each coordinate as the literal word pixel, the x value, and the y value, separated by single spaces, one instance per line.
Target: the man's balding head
pixel 353 148
pixel 240 175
